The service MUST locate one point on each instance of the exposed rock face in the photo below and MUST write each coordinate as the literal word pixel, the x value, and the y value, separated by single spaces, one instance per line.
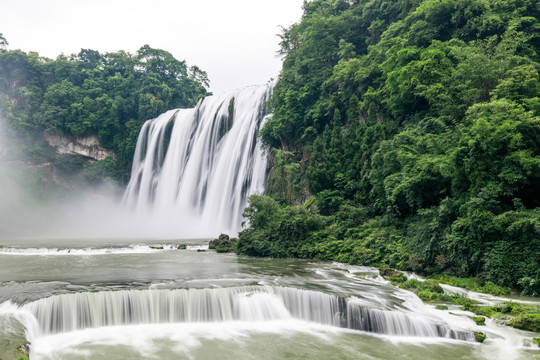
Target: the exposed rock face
pixel 88 146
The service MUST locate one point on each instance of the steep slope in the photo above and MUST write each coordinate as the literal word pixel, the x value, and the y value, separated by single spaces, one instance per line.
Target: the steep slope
pixel 409 131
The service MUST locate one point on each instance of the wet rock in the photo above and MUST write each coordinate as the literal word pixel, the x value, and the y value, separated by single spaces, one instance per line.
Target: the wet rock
pixel 479 336
pixel 223 244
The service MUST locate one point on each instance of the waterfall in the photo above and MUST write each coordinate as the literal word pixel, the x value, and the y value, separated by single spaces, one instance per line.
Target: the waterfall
pixel 70 312
pixel 193 169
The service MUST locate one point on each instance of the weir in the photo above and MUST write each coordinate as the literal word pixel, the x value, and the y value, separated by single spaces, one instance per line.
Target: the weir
pixel 195 168
pixel 70 312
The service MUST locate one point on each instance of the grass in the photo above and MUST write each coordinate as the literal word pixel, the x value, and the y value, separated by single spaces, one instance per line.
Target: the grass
pixel 473 284
pixel 520 316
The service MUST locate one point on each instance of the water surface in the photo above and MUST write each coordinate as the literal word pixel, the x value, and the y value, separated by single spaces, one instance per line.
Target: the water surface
pixel 271 312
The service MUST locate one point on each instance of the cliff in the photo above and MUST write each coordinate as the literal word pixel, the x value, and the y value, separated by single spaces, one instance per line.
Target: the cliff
pixel 87 146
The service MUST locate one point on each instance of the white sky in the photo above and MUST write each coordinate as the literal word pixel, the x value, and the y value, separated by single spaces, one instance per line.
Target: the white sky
pixel 234 41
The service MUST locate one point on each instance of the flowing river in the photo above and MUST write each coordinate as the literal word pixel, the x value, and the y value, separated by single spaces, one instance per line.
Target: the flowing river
pixel 157 300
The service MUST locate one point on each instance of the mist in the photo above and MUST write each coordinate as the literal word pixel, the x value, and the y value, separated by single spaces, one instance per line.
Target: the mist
pixel 28 211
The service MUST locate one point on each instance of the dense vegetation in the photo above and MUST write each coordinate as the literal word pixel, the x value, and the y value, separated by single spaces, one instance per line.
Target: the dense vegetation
pixel 521 316
pixel 108 95
pixel 406 133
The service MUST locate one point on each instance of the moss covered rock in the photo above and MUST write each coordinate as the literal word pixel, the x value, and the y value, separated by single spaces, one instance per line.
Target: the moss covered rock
pixel 479 320
pixel 479 336
pixel 223 244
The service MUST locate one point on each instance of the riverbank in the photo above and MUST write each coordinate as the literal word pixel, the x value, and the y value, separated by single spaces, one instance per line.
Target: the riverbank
pixel 517 313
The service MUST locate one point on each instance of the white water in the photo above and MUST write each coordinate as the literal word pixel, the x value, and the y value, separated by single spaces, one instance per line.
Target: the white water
pixel 132 249
pixel 68 319
pixel 175 304
pixel 194 168
pixel 79 311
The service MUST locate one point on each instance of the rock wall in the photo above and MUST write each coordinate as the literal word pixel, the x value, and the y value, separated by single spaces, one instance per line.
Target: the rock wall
pixel 88 146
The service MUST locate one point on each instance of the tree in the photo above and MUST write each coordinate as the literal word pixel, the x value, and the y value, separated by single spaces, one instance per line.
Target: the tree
pixel 109 95
pixel 422 116
pixel 3 42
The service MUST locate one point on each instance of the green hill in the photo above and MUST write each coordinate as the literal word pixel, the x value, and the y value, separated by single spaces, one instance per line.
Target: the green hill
pixel 407 133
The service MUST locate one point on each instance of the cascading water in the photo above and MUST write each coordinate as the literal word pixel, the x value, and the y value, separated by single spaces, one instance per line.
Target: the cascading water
pixel 152 303
pixel 194 168
pixel 71 312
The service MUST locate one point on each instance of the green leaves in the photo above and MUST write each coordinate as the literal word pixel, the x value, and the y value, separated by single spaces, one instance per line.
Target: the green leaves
pixel 275 231
pixel 424 116
pixel 109 95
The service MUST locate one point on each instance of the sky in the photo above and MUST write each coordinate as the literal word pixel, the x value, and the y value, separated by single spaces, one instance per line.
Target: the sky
pixel 234 41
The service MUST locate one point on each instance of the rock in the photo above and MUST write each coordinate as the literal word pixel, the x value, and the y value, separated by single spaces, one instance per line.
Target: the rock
pixel 537 341
pixel 479 336
pixel 223 237
pixel 386 272
pixel 88 146
pixel 479 320
pixel 441 307
pixel 223 243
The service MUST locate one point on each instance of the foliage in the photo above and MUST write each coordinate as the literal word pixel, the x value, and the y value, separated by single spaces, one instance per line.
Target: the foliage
pixel 101 170
pixel 479 336
pixel 224 244
pixel 298 231
pixel 521 316
pixel 473 284
pixel 109 95
pixel 413 127
pixel 275 231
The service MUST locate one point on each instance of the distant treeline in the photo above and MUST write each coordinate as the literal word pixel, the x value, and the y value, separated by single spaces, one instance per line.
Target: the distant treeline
pixel 109 95
pixel 407 133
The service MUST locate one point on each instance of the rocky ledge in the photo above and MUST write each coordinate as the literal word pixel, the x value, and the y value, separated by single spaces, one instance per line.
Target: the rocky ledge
pixel 87 146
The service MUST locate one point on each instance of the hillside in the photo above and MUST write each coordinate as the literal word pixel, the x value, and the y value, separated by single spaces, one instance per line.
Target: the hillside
pixel 407 134
pixel 89 99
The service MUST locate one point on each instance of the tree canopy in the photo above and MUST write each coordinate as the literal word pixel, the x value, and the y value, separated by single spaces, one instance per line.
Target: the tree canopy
pixel 109 95
pixel 413 126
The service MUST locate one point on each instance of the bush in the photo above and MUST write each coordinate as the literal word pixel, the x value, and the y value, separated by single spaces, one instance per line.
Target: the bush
pixel 530 285
pixel 101 170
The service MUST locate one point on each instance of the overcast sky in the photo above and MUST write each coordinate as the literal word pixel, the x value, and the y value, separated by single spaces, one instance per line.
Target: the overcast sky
pixel 234 41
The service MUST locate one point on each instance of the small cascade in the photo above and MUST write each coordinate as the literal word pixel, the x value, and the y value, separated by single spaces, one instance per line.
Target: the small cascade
pixel 89 251
pixel 195 168
pixel 70 312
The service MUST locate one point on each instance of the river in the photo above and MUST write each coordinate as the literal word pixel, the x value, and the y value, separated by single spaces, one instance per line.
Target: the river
pixel 123 299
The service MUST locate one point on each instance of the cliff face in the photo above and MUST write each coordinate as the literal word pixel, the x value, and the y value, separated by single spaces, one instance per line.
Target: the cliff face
pixel 87 146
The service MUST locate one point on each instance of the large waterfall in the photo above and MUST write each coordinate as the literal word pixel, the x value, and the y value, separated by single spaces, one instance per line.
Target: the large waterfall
pixel 194 168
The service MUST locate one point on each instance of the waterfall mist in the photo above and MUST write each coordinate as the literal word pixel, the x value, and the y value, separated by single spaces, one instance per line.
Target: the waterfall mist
pixel 28 210
pixel 192 173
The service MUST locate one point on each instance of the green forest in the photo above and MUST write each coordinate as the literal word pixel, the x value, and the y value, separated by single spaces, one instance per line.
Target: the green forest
pixel 108 95
pixel 406 134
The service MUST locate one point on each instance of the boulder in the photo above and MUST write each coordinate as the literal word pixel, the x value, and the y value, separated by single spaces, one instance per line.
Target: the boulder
pixel 223 243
